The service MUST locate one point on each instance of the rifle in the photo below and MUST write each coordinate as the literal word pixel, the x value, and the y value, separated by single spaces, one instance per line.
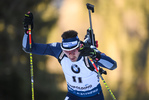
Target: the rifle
pixel 90 39
pixel 90 36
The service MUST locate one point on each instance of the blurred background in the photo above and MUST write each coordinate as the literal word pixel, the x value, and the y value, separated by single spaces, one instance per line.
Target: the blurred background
pixel 120 26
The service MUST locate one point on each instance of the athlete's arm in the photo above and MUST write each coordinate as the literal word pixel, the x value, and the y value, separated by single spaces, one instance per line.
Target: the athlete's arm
pixel 107 62
pixel 52 49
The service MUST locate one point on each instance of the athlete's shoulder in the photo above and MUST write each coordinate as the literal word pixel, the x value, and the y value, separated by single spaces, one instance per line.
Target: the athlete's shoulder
pixel 55 44
pixel 54 49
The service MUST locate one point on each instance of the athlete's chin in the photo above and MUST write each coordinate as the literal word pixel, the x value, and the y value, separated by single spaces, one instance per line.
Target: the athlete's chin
pixel 73 60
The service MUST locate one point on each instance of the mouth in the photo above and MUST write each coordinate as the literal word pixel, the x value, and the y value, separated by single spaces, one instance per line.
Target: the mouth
pixel 72 59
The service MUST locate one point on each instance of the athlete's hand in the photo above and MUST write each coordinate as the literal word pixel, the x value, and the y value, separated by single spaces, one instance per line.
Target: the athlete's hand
pixel 88 50
pixel 28 20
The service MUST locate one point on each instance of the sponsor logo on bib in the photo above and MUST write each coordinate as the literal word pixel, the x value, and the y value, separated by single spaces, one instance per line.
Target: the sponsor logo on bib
pixel 75 68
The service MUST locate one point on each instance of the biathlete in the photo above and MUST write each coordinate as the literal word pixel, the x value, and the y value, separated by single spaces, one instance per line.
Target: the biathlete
pixel 83 82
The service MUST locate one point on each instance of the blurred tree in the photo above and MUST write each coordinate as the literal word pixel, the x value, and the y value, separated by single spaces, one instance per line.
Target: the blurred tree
pixel 14 63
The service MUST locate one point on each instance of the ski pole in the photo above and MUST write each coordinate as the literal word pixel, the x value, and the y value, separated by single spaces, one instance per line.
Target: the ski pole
pixel 111 93
pixel 31 62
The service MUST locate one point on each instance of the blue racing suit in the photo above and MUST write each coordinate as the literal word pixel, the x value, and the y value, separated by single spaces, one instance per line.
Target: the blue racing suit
pixel 82 80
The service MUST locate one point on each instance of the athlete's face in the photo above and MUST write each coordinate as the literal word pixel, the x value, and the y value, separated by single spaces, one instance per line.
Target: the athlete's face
pixel 73 54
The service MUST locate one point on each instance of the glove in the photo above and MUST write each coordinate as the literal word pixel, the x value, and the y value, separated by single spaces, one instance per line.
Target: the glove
pixel 28 20
pixel 88 50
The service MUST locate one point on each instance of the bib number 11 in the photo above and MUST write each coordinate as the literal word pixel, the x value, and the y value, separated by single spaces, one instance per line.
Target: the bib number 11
pixel 77 79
